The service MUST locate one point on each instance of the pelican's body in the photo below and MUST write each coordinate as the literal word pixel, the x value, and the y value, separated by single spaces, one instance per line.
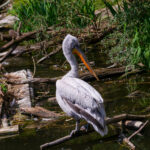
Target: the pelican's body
pixel 76 97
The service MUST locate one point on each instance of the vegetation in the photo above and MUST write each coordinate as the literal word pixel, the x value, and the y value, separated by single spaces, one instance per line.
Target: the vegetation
pixel 133 21
pixel 3 87
pixel 35 14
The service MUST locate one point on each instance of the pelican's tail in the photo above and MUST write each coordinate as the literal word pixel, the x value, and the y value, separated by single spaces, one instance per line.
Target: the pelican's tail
pixel 97 119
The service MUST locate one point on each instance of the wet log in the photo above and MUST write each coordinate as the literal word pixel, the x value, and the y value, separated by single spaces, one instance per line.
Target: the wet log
pixel 10 130
pixel 34 80
pixel 102 73
pixel 112 120
pixel 39 112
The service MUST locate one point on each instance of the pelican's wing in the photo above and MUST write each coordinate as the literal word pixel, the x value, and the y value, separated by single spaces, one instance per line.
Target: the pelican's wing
pixel 82 96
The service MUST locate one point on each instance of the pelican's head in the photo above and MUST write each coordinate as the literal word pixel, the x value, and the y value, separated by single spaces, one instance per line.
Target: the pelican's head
pixel 71 46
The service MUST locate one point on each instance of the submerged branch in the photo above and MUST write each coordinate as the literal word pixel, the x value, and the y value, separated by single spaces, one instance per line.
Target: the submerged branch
pixel 114 119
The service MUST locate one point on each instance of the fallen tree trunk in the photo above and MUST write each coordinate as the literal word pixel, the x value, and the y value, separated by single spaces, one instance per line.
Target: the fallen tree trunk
pixel 114 119
pixel 39 112
pixel 102 73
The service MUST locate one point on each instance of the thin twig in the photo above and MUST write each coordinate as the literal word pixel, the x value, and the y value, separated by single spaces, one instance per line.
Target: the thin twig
pixel 34 65
pixel 136 132
pixel 19 30
pixel 47 56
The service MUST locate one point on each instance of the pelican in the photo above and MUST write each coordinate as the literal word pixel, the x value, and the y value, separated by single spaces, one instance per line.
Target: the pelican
pixel 76 97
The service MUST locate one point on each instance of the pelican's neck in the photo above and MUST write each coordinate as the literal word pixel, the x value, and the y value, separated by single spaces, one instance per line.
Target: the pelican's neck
pixel 74 65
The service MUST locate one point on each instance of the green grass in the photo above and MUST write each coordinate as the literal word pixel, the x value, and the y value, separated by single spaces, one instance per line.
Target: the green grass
pixel 35 14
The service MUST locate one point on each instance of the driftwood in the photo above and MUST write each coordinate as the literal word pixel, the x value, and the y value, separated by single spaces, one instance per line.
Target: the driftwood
pixel 94 39
pixel 114 119
pixel 9 130
pixel 19 50
pixel 102 73
pixel 39 112
pixel 21 92
pixel 34 80
pixel 50 30
pixel 133 125
pixel 15 41
pixel 16 96
pixel 4 4
pixel 8 53
pixel 127 141
pixel 18 40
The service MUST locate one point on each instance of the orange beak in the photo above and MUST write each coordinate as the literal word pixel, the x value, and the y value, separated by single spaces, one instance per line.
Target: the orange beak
pixel 83 59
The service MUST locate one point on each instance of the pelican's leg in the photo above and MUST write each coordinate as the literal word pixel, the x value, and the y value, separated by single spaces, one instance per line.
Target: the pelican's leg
pixel 77 125
pixel 76 130
pixel 85 127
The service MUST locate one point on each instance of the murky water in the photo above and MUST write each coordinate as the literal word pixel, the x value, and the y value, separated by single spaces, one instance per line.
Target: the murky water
pixel 114 92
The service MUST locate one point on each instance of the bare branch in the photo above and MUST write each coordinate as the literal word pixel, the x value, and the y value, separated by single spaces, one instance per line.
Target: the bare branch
pixel 114 119
pixel 136 132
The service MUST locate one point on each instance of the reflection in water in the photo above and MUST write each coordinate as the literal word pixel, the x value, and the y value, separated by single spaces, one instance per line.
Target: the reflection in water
pixel 116 98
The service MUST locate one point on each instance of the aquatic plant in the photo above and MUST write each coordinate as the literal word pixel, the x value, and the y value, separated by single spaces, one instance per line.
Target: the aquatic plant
pixel 35 14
